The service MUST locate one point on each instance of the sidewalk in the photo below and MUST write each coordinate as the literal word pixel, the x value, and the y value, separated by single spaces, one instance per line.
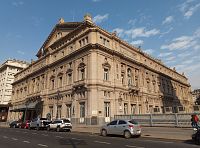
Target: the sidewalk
pixel 153 132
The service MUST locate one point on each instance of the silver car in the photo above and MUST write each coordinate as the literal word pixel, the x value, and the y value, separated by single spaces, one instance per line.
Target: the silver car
pixel 60 124
pixel 127 128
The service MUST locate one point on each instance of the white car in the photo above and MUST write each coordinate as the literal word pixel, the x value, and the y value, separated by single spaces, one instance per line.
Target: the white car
pixel 60 124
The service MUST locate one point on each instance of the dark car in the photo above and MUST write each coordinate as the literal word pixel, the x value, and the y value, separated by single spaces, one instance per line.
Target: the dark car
pixel 196 136
pixel 15 124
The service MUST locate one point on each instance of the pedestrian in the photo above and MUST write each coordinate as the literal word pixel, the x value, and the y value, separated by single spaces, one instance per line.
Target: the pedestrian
pixel 194 120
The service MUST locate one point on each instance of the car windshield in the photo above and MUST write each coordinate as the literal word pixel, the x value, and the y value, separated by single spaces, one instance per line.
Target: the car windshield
pixel 66 121
pixel 133 122
pixel 43 118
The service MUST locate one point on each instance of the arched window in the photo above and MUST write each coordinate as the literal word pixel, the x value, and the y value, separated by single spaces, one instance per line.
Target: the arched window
pixel 106 74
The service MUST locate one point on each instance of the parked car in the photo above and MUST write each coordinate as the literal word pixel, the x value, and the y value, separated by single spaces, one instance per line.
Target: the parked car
pixel 25 124
pixel 15 124
pixel 60 124
pixel 127 128
pixel 39 123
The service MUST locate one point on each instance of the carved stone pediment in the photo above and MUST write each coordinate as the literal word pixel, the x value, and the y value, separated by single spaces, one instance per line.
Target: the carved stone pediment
pixel 69 70
pixel 81 65
pixel 52 77
pixel 106 65
pixel 60 73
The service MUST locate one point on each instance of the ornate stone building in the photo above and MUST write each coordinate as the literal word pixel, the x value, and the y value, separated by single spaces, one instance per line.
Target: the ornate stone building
pixel 89 75
pixel 7 71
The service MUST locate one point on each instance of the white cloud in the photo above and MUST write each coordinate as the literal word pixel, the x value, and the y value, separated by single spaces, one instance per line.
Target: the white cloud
pixel 168 20
pixel 20 52
pixel 137 42
pixel 191 11
pixel 17 3
pixel 184 42
pixel 100 18
pixel 183 55
pixel 188 8
pixel 164 54
pixel 132 22
pixel 149 51
pixel 170 58
pixel 141 32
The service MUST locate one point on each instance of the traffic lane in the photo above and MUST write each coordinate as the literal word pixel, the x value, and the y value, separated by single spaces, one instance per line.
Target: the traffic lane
pixel 32 137
pixel 62 139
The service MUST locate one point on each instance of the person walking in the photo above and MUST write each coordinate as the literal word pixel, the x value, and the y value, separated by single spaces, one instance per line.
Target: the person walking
pixel 194 120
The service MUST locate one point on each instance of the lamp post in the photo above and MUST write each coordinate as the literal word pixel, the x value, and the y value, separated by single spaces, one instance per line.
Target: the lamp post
pixel 58 98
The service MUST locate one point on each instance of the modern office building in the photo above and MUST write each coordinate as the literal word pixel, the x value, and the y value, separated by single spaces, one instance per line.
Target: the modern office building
pixel 7 71
pixel 87 74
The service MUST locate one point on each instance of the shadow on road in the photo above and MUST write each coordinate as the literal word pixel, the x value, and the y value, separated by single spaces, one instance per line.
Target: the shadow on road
pixel 73 142
pixel 191 142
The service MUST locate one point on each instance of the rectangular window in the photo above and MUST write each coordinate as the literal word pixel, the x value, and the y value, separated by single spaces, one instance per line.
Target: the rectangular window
pixel 107 109
pixel 59 111
pixel 125 108
pixel 69 78
pixel 82 109
pixel 51 111
pixel 52 84
pixel 106 74
pixel 133 108
pixel 69 106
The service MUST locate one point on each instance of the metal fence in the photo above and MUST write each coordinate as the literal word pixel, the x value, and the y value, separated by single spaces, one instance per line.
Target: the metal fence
pixel 168 120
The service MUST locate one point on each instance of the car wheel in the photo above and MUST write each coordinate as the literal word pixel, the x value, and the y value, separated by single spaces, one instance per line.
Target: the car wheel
pixel 103 132
pixel 14 126
pixel 127 134
pixel 58 129
pixel 48 128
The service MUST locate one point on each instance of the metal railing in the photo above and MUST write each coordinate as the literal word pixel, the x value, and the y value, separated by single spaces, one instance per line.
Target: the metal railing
pixel 167 120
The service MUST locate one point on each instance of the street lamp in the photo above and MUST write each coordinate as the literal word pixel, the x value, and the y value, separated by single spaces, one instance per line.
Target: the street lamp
pixel 58 98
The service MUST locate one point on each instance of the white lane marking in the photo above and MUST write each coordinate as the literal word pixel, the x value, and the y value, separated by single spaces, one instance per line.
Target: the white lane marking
pixel 14 139
pixel 5 137
pixel 45 135
pixel 133 146
pixel 26 141
pixel 76 139
pixel 59 137
pixel 159 141
pixel 42 145
pixel 102 142
pixel 34 133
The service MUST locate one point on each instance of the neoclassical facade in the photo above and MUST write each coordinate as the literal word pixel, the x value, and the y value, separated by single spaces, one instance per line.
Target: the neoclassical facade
pixel 89 75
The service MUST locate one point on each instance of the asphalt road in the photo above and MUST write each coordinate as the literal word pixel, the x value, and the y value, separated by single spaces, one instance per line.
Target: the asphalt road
pixel 22 138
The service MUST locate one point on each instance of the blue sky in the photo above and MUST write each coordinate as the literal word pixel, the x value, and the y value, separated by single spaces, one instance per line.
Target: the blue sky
pixel 166 29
